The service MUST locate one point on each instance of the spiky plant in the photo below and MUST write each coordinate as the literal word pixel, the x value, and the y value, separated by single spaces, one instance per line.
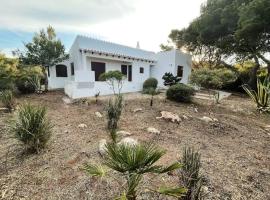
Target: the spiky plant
pixel 114 110
pixel 7 99
pixel 35 81
pixel 190 176
pixel 262 96
pixel 133 162
pixel 32 127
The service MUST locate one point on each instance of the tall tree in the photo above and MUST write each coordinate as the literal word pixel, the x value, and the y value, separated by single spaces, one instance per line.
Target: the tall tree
pixel 45 49
pixel 229 28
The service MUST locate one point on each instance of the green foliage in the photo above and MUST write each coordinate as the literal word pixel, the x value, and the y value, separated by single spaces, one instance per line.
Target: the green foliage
pixel 114 79
pixel 45 50
pixel 114 110
pixel 178 192
pixel 212 78
pixel 170 79
pixel 190 174
pixel 150 83
pixel 132 162
pixel 29 79
pixel 95 170
pixel 262 96
pixel 180 93
pixel 8 72
pixel 32 127
pixel 7 99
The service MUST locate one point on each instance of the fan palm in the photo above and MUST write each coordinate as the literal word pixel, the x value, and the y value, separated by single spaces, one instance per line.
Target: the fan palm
pixel 133 161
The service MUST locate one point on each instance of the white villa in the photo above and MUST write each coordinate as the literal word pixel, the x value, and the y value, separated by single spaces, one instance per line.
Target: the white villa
pixel 88 58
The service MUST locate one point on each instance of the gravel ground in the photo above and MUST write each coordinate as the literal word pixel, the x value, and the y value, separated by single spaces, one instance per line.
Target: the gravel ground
pixel 235 150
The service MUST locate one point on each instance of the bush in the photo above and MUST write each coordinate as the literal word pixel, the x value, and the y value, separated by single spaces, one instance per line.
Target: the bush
pixel 7 99
pixel 28 80
pixel 180 93
pixel 114 110
pixel 212 78
pixel 190 174
pixel 150 83
pixel 32 127
pixel 170 79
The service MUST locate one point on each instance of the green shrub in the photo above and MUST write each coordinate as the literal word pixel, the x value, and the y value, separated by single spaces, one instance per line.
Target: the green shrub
pixel 133 162
pixel 8 72
pixel 180 93
pixel 7 99
pixel 114 79
pixel 170 79
pixel 212 78
pixel 28 79
pixel 150 83
pixel 262 96
pixel 32 127
pixel 190 175
pixel 114 110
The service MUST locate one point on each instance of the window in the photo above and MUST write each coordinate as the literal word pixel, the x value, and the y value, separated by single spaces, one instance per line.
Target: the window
pixel 98 68
pixel 129 73
pixel 124 70
pixel 61 71
pixel 141 70
pixel 180 71
pixel 72 68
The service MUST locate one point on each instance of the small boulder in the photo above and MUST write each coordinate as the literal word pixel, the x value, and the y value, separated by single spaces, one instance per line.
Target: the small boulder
pixel 102 147
pixel 169 116
pixel 153 130
pixel 82 126
pixel 185 117
pixel 66 131
pixel 123 133
pixel 98 114
pixel 128 141
pixel 208 119
pixel 137 110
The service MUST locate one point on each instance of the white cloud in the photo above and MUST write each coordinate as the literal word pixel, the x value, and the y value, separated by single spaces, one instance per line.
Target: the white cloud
pixel 123 21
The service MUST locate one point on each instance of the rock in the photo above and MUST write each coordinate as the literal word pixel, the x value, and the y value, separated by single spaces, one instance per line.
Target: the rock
pixel 137 110
pixel 102 147
pixel 169 116
pixel 66 131
pixel 82 126
pixel 215 119
pixel 153 130
pixel 67 100
pixel 205 190
pixel 195 110
pixel 206 119
pixel 128 141
pixel 123 133
pixel 98 114
pixel 185 117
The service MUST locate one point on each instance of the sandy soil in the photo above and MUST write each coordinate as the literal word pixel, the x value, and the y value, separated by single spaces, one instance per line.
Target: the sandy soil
pixel 235 150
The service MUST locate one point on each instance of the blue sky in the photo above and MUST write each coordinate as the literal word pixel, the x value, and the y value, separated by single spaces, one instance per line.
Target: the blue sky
pixel 120 21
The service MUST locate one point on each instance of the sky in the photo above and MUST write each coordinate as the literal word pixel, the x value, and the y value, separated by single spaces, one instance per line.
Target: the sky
pixel 120 21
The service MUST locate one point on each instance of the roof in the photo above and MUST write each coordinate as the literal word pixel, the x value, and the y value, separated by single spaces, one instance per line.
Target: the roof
pixel 100 46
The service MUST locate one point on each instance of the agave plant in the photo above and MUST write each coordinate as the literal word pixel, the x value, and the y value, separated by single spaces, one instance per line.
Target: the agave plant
pixel 7 99
pixel 35 82
pixel 190 174
pixel 261 96
pixel 31 127
pixel 133 162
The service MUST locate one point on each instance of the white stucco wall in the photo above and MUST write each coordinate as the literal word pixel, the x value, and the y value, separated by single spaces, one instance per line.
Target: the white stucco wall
pixel 168 61
pixel 85 85
pixel 59 82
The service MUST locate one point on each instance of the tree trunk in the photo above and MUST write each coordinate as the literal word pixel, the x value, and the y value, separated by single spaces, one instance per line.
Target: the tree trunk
pixel 45 79
pixel 253 74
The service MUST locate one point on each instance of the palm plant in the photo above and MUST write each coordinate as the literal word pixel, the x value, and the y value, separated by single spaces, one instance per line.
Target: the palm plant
pixel 114 110
pixel 133 162
pixel 31 127
pixel 190 174
pixel 261 96
pixel 7 99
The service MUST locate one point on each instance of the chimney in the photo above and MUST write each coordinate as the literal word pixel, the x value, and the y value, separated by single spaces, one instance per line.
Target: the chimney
pixel 138 45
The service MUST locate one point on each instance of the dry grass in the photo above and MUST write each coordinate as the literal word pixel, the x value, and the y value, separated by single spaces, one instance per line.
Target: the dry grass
pixel 235 150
